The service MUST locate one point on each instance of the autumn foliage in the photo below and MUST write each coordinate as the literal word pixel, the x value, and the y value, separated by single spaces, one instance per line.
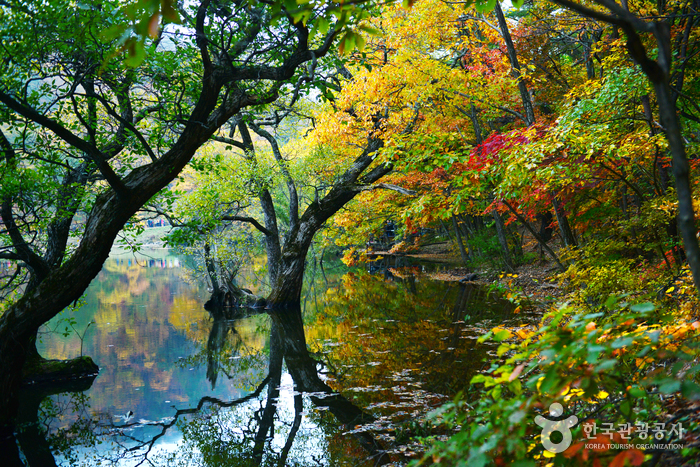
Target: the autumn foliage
pixel 437 82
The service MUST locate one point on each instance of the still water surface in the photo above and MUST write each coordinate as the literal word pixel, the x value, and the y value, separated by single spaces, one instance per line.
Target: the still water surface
pixel 179 387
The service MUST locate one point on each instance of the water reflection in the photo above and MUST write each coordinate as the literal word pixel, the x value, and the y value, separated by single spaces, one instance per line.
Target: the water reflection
pixel 275 426
pixel 400 344
pixel 180 385
pixel 38 414
pixel 288 336
pixel 145 320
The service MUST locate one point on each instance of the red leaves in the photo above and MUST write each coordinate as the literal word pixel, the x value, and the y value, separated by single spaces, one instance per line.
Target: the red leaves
pixel 600 445
pixel 489 152
pixel 634 456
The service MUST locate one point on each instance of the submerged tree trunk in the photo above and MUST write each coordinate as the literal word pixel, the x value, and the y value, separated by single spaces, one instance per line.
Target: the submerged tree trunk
pixel 286 290
pixel 289 326
pixel 32 438
pixel 20 323
pixel 224 91
pixel 287 285
pixel 211 268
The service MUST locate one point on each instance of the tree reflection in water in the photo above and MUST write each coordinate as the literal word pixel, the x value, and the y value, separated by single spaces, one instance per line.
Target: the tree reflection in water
pixel 37 437
pixel 398 345
pixel 270 426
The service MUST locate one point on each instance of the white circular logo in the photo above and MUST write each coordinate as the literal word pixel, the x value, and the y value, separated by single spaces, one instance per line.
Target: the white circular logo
pixel 551 426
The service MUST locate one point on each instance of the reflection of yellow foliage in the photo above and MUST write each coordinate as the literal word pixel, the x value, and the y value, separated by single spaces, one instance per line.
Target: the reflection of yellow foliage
pixel 180 316
pixel 254 341
pixel 380 334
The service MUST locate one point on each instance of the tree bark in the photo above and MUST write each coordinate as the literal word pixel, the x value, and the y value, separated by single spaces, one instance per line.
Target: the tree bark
pixel 515 66
pixel 286 288
pixel 564 228
pixel 539 239
pixel 211 268
pixel 658 72
pixel 681 172
pixel 272 238
pixel 125 196
pixel 503 241
pixel 588 41
pixel 460 244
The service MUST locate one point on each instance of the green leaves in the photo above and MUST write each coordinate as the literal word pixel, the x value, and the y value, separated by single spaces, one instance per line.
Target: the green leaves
pixel 484 6
pixel 643 308
pixel 351 41
pixel 593 371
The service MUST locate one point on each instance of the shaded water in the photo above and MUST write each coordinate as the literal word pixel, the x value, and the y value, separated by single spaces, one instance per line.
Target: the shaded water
pixel 179 387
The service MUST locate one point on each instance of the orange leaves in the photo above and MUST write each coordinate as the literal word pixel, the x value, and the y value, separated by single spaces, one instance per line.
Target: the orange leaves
pixel 634 456
pixel 597 449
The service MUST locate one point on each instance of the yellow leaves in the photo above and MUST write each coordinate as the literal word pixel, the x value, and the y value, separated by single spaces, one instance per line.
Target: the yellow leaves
pixel 568 393
pixel 349 257
pixel 428 24
pixel 585 90
pixel 524 332
pixel 501 334
pixel 681 330
pixel 404 74
pixel 614 52
pixel 575 394
pixel 540 380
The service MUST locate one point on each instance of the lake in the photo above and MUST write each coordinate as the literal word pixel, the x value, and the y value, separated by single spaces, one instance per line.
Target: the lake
pixel 345 380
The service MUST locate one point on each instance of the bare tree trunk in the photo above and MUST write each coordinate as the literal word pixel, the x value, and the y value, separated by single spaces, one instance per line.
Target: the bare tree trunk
pixel 681 172
pixel 272 238
pixel 475 123
pixel 286 290
pixel 447 231
pixel 564 228
pixel 211 268
pixel 66 280
pixel 460 244
pixel 539 239
pixel 503 241
pixel 515 66
pixel 588 41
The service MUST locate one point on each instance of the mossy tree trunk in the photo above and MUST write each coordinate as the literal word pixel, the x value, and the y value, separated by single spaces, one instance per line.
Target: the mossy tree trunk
pixel 60 282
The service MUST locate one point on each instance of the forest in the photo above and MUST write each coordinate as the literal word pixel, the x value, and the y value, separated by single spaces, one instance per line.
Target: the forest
pixel 548 151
